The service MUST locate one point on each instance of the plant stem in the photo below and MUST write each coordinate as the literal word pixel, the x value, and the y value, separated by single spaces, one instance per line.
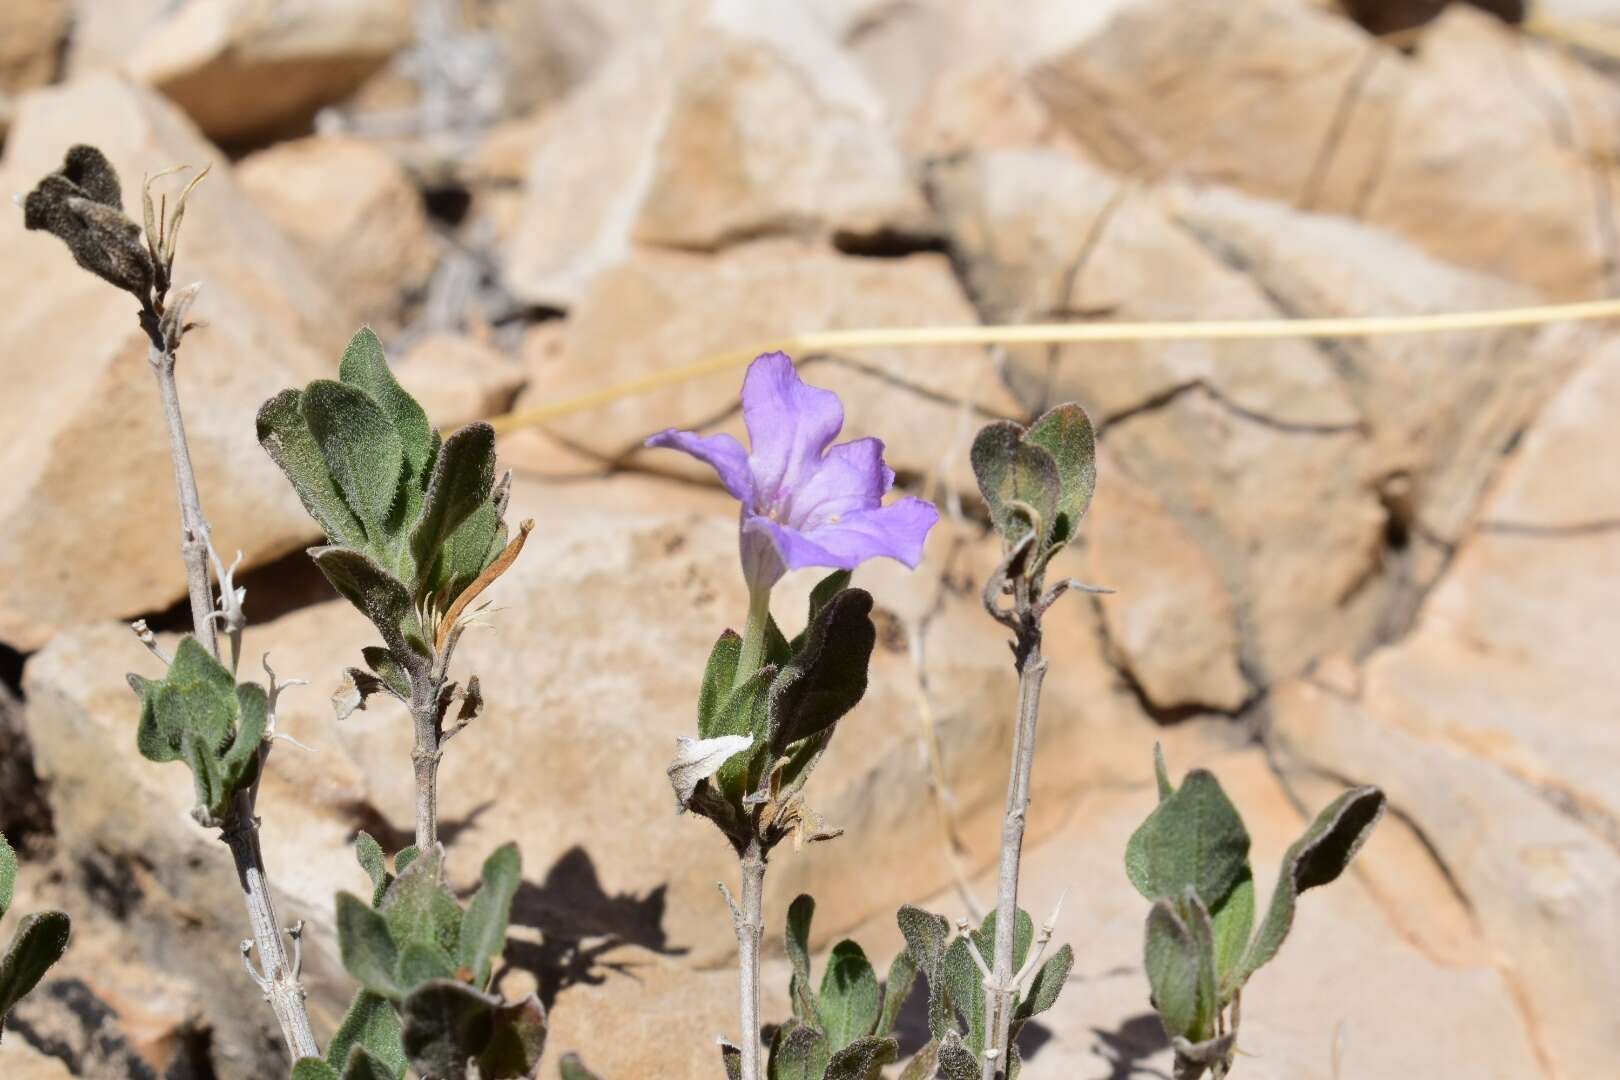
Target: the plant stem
pixel 425 757
pixel 281 985
pixel 280 982
pixel 1000 989
pixel 193 525
pixel 750 925
pixel 752 655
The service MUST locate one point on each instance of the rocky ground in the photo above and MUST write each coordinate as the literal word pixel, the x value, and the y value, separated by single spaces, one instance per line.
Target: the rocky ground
pixel 1391 560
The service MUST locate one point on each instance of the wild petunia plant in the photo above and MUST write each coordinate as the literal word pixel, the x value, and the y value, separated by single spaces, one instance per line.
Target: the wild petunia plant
pixel 39 942
pixel 1037 483
pixel 769 705
pixel 417 532
pixel 1191 859
pixel 416 529
pixel 197 713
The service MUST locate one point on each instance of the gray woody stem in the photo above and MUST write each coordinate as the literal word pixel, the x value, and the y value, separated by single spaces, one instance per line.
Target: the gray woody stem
pixel 1000 988
pixel 277 978
pixel 749 922
pixel 426 714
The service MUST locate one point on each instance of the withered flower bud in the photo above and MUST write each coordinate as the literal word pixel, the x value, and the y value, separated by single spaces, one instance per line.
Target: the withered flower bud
pixel 82 205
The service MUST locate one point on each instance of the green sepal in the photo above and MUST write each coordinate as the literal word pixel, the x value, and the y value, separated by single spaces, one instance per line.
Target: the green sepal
pixel 820 596
pixel 719 675
pixel 827 677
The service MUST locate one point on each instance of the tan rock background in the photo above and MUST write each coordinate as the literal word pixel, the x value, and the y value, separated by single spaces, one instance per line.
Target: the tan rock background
pixel 1390 560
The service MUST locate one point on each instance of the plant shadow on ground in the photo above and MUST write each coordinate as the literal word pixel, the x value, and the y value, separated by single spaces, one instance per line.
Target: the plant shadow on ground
pixel 580 924
pixel 1128 1046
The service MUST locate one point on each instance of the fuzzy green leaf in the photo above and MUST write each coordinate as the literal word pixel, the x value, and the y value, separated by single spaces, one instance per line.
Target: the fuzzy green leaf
pixel 800 994
pixel 746 712
pixel 463 480
pixel 370 855
pixel 365 367
pixel 483 928
pixel 420 910
pixel 1171 958
pixel 1045 987
pixel 963 979
pixel 862 1060
pixel 195 700
pixel 362 450
pixel 718 678
pixel 1233 922
pixel 466 552
pixel 799 1052
pixel 382 664
pixel 924 1064
pixel 39 942
pixel 850 1001
pixel 1011 470
pixel 8 874
pixel 731 1058
pixel 896 989
pixel 572 1068
pixel 313 1069
pixel 826 678
pixel 927 937
pixel 956 1060
pixel 1065 433
pixel 1196 917
pixel 1316 858
pixel 367 948
pixel 422 962
pixel 1195 837
pixel 370 1025
pixel 286 437
pixel 363 1065
pixel 515 1046
pixel 380 596
pixel 446 1025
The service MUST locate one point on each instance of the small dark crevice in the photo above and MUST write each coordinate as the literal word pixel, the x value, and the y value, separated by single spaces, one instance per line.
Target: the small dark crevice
pixel 1553 529
pixel 1161 715
pixel 888 242
pixel 447 203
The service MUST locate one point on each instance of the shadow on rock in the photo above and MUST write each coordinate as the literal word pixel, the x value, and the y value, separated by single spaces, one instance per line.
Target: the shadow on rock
pixel 580 924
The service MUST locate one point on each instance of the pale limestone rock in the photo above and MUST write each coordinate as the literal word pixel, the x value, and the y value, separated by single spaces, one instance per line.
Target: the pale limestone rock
pixel 353 213
pixel 88 515
pixel 702 139
pixel 1493 173
pixel 458 379
pixel 1172 621
pixel 242 69
pixel 30 39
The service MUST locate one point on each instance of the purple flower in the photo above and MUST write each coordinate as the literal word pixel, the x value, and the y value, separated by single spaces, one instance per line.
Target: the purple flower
pixel 805 502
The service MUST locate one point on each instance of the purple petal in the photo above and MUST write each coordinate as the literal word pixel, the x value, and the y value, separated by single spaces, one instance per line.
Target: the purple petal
pixel 850 477
pixel 790 425
pixel 722 453
pixel 896 531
